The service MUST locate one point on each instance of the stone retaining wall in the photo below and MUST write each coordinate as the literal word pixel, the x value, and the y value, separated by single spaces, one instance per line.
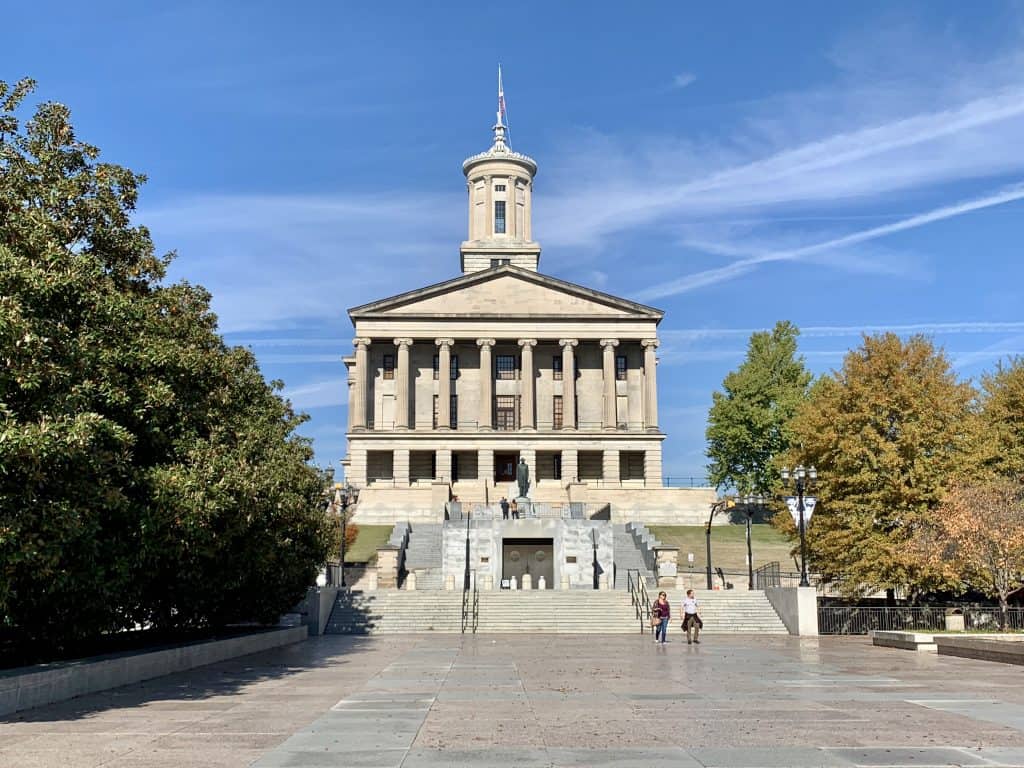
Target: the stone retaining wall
pixel 36 686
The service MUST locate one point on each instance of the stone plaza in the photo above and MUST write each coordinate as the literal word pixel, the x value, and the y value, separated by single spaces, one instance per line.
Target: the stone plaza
pixel 414 701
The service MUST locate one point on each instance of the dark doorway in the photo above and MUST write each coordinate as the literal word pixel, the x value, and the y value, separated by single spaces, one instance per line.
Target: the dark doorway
pixel 505 467
pixel 532 556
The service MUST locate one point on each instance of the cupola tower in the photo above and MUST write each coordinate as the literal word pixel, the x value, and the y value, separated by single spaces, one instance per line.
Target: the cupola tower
pixel 500 186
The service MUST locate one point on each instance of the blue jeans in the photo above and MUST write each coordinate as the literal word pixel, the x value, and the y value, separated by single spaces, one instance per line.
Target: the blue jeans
pixel 661 629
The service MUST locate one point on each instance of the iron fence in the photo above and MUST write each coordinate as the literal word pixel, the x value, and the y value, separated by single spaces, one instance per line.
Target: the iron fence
pixel 857 620
pixel 987 617
pixel 768 575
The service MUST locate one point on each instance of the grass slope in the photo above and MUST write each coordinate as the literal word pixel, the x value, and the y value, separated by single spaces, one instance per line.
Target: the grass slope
pixel 728 546
pixel 364 549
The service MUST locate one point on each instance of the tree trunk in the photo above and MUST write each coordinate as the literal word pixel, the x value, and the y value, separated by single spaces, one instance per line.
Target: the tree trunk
pixel 1004 610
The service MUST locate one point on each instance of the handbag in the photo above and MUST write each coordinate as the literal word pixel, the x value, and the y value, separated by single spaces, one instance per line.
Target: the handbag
pixel 655 620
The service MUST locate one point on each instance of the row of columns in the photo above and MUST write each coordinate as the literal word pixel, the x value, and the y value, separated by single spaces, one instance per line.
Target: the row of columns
pixel 358 420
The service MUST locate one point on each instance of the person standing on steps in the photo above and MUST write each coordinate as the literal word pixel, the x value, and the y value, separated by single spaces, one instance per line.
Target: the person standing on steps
pixel 504 508
pixel 663 612
pixel 691 618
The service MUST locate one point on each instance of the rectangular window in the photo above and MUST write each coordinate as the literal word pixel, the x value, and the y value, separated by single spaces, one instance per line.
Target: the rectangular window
pixel 499 187
pixel 556 413
pixel 556 368
pixel 499 217
pixel 453 363
pixel 453 413
pixel 558 466
pixel 506 366
pixel 389 366
pixel 506 413
pixel 499 262
pixel 620 367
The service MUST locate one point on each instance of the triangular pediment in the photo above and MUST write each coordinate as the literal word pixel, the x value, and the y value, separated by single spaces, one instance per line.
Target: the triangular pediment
pixel 506 291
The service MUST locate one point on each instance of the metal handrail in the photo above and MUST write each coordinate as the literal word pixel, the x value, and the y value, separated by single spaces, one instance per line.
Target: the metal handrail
pixel 639 597
pixel 471 605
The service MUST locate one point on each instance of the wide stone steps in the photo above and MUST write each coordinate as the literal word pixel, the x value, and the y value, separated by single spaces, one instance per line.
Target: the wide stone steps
pixel 611 612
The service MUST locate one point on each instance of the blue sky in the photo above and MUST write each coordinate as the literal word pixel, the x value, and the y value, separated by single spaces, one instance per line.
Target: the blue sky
pixel 849 167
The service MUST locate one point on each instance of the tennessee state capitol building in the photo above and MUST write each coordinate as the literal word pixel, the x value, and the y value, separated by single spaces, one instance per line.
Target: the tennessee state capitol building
pixel 452 384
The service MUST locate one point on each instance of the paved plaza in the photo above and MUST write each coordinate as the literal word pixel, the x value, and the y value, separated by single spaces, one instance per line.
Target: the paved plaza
pixel 544 700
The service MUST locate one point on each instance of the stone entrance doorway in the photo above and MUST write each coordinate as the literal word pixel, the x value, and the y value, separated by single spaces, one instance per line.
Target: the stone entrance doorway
pixel 505 467
pixel 532 556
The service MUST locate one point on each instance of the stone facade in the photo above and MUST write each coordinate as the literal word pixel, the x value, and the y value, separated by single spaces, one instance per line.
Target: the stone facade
pixel 453 383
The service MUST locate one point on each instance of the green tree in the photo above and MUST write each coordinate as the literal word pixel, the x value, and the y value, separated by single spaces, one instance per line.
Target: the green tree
pixel 888 432
pixel 1001 440
pixel 148 473
pixel 748 425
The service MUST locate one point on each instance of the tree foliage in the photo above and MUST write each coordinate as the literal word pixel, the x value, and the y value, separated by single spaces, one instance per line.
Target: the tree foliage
pixel 1001 439
pixel 148 473
pixel 887 432
pixel 976 536
pixel 748 425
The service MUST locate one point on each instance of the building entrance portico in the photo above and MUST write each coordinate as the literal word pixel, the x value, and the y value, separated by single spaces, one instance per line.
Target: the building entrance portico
pixel 535 557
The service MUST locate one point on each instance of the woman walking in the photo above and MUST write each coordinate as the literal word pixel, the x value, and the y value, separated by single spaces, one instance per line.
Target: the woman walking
pixel 662 612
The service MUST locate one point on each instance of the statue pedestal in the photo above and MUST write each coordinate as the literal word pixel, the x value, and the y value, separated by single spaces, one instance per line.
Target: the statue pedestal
pixel 524 506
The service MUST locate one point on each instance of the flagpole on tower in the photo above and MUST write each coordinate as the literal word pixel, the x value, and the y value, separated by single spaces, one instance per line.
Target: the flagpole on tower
pixel 502 110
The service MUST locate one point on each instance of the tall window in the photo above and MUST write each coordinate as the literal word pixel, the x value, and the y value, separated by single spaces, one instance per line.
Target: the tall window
pixel 453 413
pixel 454 362
pixel 558 466
pixel 389 366
pixel 620 367
pixel 556 367
pixel 556 413
pixel 506 366
pixel 505 413
pixel 499 217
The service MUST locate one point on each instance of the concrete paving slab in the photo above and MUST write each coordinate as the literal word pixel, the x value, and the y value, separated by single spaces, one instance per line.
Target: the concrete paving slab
pixel 777 757
pixel 902 756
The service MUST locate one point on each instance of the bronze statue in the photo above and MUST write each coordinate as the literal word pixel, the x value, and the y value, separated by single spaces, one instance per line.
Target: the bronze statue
pixel 523 477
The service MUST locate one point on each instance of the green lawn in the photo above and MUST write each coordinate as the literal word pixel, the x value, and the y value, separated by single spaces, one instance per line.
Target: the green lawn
pixel 364 549
pixel 728 545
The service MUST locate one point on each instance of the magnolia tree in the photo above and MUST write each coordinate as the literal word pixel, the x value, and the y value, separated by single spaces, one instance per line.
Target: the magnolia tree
pixel 976 535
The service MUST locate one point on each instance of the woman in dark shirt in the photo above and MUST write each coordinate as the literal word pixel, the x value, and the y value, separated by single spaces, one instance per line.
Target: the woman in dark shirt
pixel 661 611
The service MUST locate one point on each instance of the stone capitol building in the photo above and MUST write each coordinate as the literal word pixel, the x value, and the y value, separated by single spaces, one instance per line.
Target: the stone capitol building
pixel 450 386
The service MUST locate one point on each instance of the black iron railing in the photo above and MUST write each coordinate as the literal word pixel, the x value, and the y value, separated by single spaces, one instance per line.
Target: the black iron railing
pixel 470 605
pixel 768 575
pixel 987 617
pixel 856 620
pixel 639 597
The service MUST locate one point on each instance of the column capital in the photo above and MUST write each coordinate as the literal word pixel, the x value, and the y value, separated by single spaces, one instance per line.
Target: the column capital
pixel 568 342
pixel 486 342
pixel 444 342
pixel 402 342
pixel 609 342
pixel 527 343
pixel 650 343
pixel 361 341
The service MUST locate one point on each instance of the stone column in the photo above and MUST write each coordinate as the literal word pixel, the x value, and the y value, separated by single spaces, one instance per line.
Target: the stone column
pixel 486 421
pixel 527 386
pixel 609 346
pixel 489 213
pixel 485 465
pixel 527 209
pixel 650 385
pixel 570 466
pixel 444 464
pixel 359 396
pixel 472 205
pixel 510 207
pixel 568 383
pixel 610 466
pixel 350 379
pixel 402 384
pixel 400 467
pixel 444 382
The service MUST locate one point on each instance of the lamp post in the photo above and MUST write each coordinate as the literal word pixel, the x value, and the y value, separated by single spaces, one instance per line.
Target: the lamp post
pixel 717 507
pixel 802 477
pixel 750 503
pixel 344 495
pixel 465 582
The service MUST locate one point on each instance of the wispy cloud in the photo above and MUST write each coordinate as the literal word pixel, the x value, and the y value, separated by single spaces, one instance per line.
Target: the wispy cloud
pixel 1008 347
pixel 280 261
pixel 683 79
pixel 939 328
pixel 319 394
pixel 743 266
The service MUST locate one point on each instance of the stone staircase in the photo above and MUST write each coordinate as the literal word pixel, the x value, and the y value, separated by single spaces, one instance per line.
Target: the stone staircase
pixel 628 557
pixel 548 611
pixel 423 556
